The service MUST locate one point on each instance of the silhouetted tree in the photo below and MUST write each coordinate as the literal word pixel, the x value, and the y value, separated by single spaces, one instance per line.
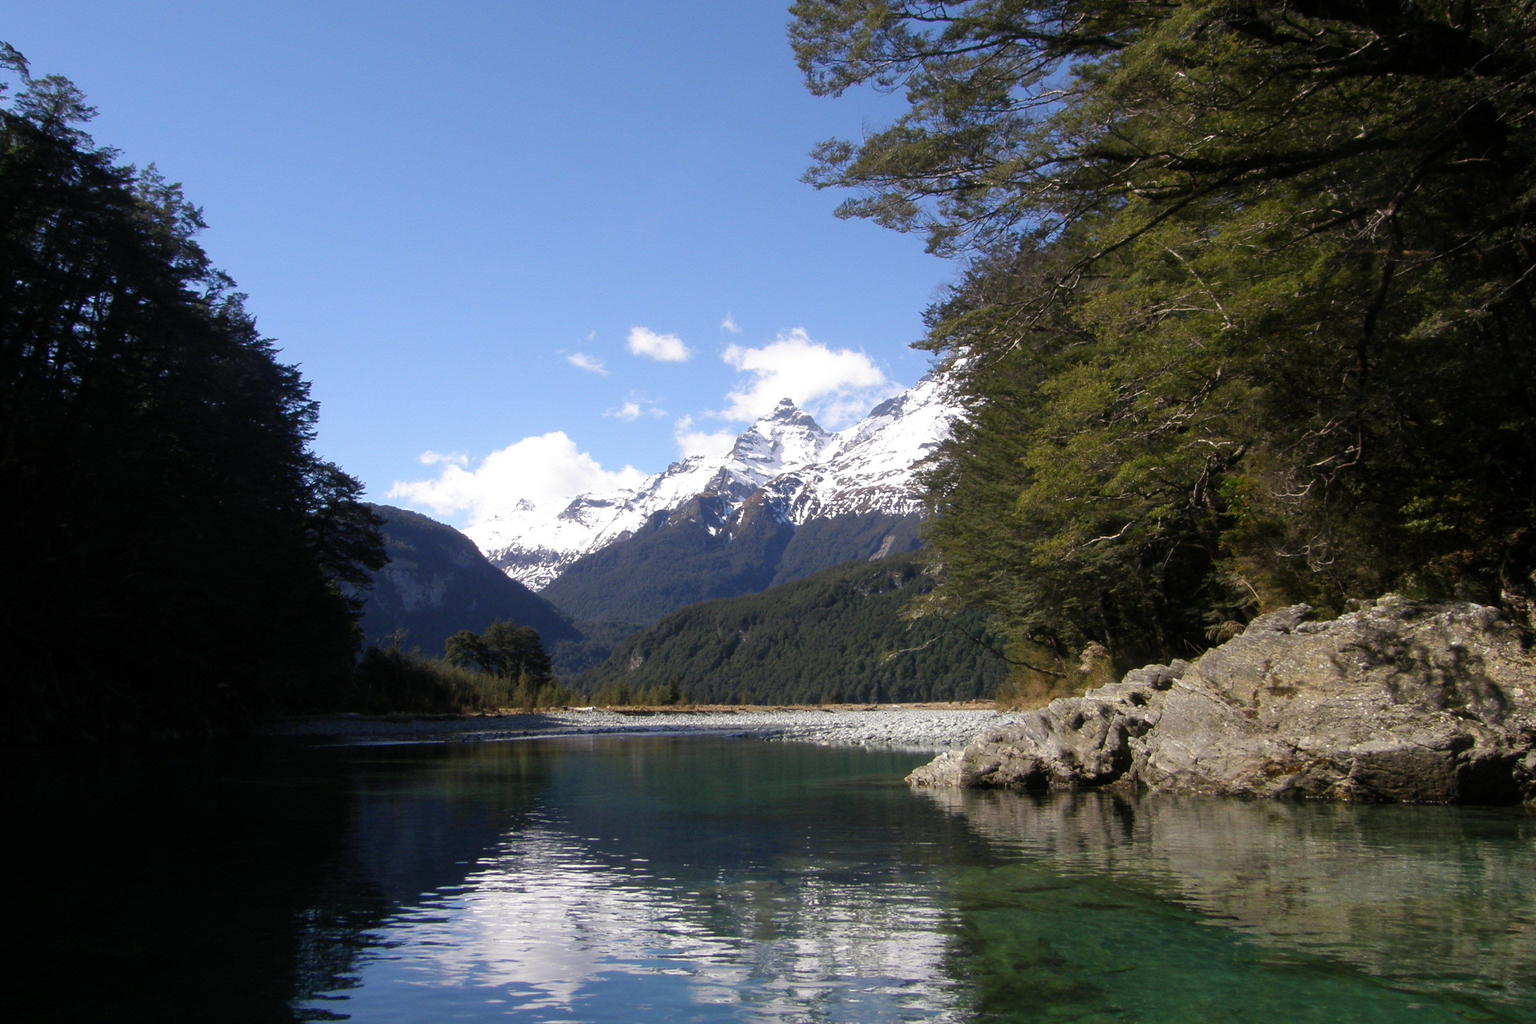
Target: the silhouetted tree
pixel 175 552
pixel 504 649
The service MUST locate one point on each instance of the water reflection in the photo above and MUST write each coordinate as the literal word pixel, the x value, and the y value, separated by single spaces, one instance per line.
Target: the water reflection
pixel 547 928
pixel 174 882
pixel 223 881
pixel 646 887
pixel 622 879
pixel 1372 907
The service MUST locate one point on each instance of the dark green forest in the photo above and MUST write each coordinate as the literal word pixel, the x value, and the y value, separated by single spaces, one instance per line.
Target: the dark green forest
pixel 700 552
pixel 842 635
pixel 174 552
pixel 1246 315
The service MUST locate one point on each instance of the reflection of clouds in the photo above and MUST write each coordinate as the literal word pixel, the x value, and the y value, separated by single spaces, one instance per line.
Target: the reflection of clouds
pixel 853 951
pixel 549 929
pixel 524 924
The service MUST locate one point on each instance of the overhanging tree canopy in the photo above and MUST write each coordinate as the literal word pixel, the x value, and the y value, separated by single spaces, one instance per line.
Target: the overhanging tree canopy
pixel 1249 314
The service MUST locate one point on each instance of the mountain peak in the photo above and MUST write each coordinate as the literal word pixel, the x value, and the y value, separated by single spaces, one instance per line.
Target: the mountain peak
pixel 790 414
pixel 867 467
pixel 785 439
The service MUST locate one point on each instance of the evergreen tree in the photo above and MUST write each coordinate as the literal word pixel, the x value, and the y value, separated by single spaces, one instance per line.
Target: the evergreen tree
pixel 504 649
pixel 1249 313
pixel 175 551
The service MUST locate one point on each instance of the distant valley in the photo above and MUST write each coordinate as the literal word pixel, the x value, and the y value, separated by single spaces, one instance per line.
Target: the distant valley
pixel 788 501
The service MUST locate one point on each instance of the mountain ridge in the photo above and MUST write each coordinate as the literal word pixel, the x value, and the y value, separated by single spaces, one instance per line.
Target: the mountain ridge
pixel 784 462
pixel 437 582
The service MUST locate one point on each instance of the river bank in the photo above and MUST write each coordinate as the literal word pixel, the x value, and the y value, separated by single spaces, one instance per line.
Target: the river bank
pixel 1397 701
pixel 907 727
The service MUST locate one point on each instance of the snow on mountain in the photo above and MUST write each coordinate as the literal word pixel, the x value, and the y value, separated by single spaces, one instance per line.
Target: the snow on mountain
pixel 784 458
pixel 872 466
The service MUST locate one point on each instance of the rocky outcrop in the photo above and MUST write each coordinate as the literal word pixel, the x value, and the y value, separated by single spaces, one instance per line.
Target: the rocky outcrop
pixel 1399 701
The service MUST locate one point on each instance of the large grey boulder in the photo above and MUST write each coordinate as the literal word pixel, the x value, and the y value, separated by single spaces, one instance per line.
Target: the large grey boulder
pixel 1399 701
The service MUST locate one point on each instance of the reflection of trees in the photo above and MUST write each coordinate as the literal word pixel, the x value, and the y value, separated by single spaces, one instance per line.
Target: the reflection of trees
pixel 1403 893
pixel 167 884
pixel 778 880
pixel 741 880
pixel 415 821
pixel 190 883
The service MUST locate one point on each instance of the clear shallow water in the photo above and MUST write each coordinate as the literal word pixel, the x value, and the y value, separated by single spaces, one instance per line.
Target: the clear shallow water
pixel 699 879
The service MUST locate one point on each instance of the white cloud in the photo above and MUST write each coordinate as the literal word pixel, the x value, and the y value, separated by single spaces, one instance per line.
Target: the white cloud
pixel 729 324
pixel 634 409
pixel 664 348
pixel 701 442
pixel 837 386
pixel 431 458
pixel 546 470
pixel 591 364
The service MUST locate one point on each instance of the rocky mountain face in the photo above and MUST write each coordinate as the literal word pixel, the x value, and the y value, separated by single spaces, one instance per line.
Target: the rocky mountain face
pixel 782 473
pixel 1399 701
pixel 437 583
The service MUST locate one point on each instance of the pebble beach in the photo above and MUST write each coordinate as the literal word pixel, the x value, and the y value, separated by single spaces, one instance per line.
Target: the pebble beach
pixel 889 726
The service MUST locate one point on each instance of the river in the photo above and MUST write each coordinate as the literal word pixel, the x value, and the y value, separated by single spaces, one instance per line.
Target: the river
pixel 687 878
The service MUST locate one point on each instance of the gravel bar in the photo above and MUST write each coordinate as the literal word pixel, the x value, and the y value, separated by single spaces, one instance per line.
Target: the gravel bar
pixel 893 727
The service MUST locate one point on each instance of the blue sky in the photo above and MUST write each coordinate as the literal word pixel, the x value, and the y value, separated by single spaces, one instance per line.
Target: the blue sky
pixel 571 236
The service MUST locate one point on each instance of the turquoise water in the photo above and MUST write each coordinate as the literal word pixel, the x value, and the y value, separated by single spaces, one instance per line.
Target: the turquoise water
pixel 705 879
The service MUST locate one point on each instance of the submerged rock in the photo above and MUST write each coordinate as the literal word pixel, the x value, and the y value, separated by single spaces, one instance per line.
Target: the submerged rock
pixel 1400 701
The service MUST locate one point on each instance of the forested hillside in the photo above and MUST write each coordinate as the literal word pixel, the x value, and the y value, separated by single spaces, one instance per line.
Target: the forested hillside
pixel 1248 312
pixel 840 635
pixel 173 550
pixel 702 551
pixel 437 583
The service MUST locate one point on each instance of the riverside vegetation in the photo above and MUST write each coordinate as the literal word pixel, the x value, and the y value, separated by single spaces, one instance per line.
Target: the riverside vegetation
pixel 175 552
pixel 841 635
pixel 1247 317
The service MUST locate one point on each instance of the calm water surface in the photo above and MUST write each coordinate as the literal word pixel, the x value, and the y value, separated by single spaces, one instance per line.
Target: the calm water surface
pixel 707 879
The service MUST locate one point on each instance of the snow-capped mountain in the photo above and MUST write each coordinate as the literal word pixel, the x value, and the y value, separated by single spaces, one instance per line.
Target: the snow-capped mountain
pixel 870 467
pixel 785 461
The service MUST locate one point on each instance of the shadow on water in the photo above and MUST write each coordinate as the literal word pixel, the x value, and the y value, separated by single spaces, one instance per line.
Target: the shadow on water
pixel 225 882
pixel 291 881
